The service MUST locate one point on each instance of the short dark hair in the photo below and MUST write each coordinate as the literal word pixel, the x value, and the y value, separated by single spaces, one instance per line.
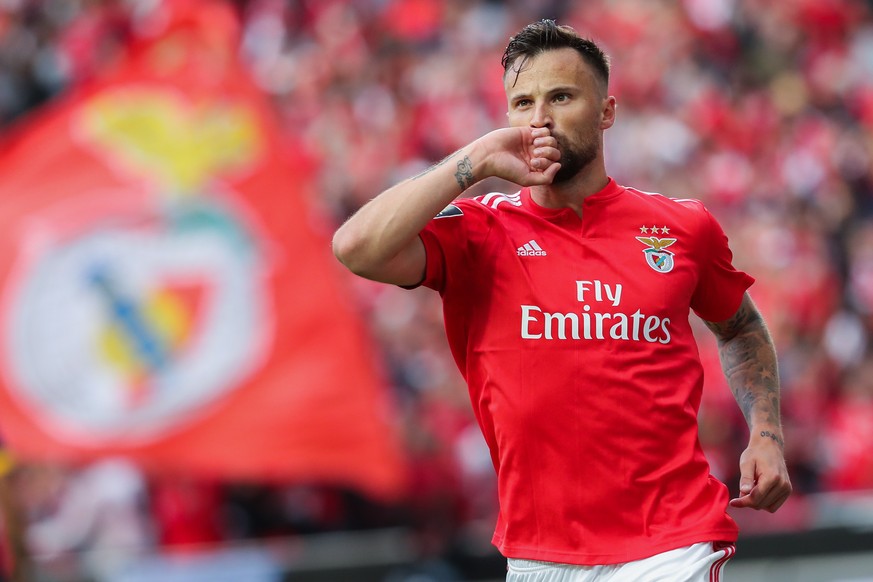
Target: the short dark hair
pixel 547 35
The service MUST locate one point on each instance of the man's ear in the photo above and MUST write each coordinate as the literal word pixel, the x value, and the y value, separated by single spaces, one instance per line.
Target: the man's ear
pixel 608 113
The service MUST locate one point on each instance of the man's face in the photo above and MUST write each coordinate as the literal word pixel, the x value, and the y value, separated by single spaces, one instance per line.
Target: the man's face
pixel 558 90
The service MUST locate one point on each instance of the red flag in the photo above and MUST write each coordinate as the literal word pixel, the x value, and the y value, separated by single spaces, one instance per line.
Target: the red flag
pixel 162 293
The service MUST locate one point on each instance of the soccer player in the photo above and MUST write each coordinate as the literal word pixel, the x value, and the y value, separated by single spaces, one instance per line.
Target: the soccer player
pixel 567 307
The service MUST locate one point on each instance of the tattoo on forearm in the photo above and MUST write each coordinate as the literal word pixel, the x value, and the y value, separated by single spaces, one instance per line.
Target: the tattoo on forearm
pixel 464 175
pixel 435 166
pixel 775 437
pixel 749 363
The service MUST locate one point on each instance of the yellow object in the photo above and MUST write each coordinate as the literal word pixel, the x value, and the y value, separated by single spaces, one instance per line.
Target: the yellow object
pixel 7 462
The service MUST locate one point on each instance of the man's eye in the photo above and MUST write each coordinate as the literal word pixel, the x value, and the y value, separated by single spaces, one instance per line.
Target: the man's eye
pixel 561 97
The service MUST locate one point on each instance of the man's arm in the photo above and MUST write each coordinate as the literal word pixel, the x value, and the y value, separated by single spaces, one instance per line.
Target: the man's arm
pixel 748 360
pixel 380 241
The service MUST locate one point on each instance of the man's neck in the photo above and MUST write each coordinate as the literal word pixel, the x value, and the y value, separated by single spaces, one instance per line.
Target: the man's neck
pixel 573 192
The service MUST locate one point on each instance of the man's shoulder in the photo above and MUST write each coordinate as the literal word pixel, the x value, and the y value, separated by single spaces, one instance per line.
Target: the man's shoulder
pixel 665 202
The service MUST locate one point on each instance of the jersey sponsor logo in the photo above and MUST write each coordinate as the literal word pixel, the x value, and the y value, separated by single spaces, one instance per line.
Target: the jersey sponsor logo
pixel 531 249
pixel 599 317
pixel 657 257
pixel 495 199
pixel 449 211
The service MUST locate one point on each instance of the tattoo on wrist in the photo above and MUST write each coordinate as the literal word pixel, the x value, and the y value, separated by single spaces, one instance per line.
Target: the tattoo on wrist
pixel 464 175
pixel 767 433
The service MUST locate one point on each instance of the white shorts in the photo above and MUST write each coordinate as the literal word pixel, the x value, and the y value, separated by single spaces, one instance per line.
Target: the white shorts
pixel 701 562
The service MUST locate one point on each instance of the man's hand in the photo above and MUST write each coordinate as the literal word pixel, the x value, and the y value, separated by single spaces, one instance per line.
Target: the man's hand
pixel 764 482
pixel 522 155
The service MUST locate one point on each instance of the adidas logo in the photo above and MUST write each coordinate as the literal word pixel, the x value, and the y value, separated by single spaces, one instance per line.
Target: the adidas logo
pixel 531 249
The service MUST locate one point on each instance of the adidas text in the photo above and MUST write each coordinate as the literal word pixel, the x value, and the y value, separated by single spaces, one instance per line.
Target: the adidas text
pixel 531 249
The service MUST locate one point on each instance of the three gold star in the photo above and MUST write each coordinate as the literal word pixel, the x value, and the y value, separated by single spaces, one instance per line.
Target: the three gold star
pixel 654 230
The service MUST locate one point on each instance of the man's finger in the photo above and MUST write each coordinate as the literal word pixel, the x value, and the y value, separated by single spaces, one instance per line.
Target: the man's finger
pixel 777 495
pixel 744 500
pixel 747 476
pixel 746 485
pixel 777 504
pixel 771 494
pixel 551 171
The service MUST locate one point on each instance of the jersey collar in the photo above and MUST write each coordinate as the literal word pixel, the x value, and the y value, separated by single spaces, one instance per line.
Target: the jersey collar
pixel 610 191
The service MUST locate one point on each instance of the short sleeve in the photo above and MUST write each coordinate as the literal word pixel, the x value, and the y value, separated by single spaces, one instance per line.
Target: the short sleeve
pixel 435 271
pixel 720 287
pixel 447 239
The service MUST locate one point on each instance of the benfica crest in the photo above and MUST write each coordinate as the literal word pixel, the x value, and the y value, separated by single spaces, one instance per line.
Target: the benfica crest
pixel 657 257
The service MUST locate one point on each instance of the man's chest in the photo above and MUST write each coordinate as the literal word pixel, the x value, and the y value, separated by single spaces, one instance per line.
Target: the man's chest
pixel 618 267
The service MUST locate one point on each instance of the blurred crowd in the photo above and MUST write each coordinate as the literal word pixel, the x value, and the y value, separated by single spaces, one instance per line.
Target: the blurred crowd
pixel 762 109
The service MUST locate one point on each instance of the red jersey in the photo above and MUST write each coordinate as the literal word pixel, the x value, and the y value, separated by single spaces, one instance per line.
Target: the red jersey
pixel 574 338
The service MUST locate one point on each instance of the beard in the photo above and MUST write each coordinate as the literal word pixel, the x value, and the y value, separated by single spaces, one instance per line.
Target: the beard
pixel 574 158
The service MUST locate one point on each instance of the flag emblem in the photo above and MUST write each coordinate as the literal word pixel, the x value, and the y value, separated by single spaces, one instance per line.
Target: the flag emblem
pixel 161 275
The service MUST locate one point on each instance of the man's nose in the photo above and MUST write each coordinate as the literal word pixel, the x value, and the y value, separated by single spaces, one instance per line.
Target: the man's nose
pixel 541 117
